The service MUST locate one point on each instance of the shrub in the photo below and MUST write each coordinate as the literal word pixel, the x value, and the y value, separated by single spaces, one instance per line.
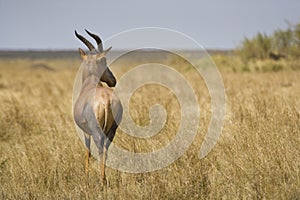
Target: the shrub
pixel 280 44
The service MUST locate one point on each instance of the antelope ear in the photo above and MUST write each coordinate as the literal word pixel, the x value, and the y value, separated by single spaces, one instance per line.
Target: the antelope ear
pixel 106 51
pixel 82 54
pixel 103 53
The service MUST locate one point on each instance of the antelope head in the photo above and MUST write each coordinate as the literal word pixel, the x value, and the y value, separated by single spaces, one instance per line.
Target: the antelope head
pixel 95 61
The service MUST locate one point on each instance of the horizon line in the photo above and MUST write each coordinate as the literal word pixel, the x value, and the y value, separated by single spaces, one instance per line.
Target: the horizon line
pixel 122 49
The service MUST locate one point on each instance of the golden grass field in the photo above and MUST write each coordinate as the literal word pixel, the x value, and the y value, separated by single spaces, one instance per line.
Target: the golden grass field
pixel 256 157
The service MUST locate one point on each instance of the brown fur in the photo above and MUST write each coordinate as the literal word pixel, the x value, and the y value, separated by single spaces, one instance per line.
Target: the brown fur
pixel 97 111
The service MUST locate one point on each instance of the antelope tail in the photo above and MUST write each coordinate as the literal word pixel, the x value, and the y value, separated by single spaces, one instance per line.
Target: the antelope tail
pixel 105 117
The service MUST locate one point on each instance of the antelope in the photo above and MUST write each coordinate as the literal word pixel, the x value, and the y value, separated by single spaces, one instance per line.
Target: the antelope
pixel 97 111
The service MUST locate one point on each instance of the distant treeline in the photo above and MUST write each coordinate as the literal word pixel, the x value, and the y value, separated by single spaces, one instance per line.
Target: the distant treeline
pixel 35 54
pixel 281 44
pixel 62 54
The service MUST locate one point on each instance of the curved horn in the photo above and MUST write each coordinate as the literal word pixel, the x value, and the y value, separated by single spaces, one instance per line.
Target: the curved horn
pixel 85 41
pixel 98 40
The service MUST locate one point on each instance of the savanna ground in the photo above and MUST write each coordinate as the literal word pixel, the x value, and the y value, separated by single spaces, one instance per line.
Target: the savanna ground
pixel 256 157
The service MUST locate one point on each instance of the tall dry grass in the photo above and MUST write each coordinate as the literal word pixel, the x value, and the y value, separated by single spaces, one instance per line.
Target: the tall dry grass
pixel 257 156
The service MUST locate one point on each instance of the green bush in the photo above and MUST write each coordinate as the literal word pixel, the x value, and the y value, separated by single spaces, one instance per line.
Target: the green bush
pixel 280 44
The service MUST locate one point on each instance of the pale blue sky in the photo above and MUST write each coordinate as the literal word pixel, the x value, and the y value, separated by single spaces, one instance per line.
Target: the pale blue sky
pixel 38 24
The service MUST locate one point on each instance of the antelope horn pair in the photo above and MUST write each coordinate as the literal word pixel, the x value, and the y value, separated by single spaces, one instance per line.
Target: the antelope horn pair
pixel 88 43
